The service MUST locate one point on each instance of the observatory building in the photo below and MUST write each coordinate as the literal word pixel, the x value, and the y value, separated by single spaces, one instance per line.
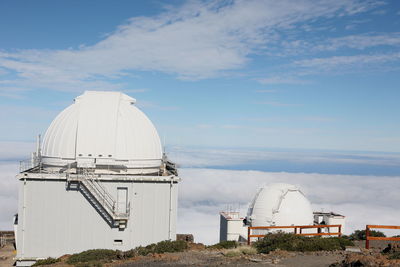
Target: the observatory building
pixel 277 204
pixel 99 180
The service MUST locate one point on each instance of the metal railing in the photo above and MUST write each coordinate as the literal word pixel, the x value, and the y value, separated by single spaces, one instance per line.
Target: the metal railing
pixel 295 231
pixel 28 164
pixel 103 197
pixel 368 237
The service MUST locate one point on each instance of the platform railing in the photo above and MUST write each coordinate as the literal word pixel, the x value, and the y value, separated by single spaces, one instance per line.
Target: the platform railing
pixel 368 237
pixel 297 230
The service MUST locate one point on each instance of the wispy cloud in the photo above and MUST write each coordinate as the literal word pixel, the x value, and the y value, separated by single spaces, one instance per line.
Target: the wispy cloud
pixel 282 80
pixel 207 35
pixel 153 105
pixel 361 41
pixel 225 157
pixel 346 61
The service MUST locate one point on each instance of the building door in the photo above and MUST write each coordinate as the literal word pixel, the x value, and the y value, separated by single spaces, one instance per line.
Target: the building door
pixel 122 199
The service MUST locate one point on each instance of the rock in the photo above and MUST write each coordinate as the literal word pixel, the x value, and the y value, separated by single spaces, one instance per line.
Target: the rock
pixel 353 249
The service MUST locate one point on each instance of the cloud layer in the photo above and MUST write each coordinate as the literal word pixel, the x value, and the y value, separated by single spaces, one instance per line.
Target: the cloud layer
pixel 206 192
pixel 203 193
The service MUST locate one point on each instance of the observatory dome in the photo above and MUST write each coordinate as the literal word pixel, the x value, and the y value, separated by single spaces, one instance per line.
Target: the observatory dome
pixel 102 128
pixel 281 205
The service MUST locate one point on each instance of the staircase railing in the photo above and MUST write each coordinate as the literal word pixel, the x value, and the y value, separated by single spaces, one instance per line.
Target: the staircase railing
pixel 102 196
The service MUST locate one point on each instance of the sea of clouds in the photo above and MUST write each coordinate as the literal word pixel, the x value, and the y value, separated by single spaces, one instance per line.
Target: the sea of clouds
pixel 206 192
pixel 212 182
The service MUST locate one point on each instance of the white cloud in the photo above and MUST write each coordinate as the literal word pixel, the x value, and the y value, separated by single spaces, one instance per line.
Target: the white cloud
pixel 203 193
pixel 282 80
pixel 203 157
pixel 360 41
pixel 197 40
pixel 206 192
pixel 8 194
pixel 329 63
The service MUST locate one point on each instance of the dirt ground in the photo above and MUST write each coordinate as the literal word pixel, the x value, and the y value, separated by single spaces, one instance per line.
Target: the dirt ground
pixel 203 258
pixel 7 254
pixel 215 258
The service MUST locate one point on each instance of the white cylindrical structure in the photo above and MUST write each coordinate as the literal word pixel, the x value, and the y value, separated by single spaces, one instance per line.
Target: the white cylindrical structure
pixel 280 205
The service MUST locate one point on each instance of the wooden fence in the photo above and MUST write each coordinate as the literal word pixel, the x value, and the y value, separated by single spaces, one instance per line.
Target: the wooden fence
pixel 297 230
pixel 368 237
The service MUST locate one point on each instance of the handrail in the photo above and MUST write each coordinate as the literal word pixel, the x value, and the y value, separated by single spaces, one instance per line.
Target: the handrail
pixel 95 191
pixel 102 195
pixel 368 237
pixel 294 227
pixel 102 190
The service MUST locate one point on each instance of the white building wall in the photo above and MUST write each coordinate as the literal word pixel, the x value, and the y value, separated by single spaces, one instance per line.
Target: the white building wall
pixel 332 220
pixel 54 221
pixel 231 227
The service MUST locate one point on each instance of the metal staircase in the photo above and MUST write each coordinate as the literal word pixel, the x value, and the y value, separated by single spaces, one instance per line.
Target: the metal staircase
pixel 98 196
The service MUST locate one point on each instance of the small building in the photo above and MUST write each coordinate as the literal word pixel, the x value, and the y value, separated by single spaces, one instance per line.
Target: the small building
pixel 100 180
pixel 231 227
pixel 329 218
pixel 276 205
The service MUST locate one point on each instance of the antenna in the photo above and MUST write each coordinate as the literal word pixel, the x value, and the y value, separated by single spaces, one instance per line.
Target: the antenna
pixel 164 144
pixel 38 144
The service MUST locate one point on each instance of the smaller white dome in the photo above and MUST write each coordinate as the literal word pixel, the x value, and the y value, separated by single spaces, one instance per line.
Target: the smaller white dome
pixel 280 205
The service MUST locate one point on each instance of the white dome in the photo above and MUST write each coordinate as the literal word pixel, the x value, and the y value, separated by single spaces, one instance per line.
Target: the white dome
pixel 102 128
pixel 281 205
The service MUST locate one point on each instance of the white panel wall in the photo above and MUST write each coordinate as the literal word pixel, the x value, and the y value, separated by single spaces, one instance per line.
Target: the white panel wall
pixel 55 221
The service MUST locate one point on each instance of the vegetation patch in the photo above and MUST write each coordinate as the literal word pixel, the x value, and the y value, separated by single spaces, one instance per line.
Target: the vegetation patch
pixel 291 242
pixel 239 251
pixel 233 253
pixel 246 250
pixel 360 234
pixel 394 256
pixel 89 264
pixel 162 247
pixel 224 245
pixel 47 261
pixel 94 255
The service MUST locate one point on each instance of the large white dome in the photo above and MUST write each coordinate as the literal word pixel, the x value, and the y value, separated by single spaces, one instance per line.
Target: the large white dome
pixel 102 128
pixel 281 205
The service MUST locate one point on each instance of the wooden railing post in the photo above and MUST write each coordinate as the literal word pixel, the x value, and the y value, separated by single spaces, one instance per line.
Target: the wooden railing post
pixel 340 230
pixel 366 237
pixel 248 235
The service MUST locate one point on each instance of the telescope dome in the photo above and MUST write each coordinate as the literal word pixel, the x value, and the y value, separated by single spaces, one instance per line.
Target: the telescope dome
pixel 280 205
pixel 102 128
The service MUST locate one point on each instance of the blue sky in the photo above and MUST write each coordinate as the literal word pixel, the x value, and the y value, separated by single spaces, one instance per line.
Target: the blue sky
pixel 300 91
pixel 287 74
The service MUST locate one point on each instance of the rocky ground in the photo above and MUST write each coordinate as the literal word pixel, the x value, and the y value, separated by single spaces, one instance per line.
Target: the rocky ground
pixel 7 254
pixel 217 258
pixel 198 256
